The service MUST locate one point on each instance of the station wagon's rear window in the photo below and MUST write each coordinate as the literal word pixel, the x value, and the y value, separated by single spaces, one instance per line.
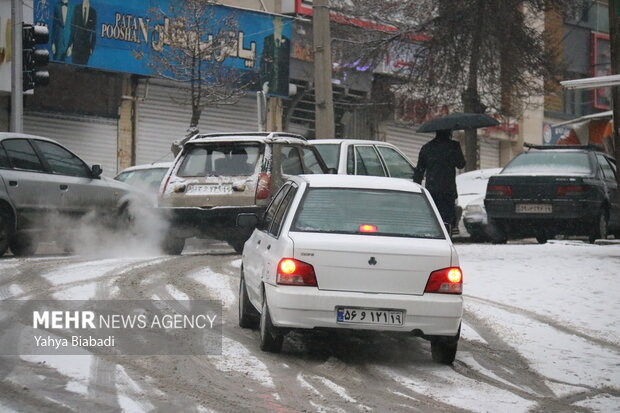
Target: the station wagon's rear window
pixel 367 211
pixel 550 162
pixel 220 159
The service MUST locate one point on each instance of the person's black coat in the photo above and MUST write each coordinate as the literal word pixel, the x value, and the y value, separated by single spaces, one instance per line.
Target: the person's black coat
pixel 438 160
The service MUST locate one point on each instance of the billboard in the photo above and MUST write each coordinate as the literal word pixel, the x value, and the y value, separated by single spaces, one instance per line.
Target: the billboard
pixel 129 35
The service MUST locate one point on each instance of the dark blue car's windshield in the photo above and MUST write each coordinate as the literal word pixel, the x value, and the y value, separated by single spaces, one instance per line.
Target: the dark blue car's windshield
pixel 550 162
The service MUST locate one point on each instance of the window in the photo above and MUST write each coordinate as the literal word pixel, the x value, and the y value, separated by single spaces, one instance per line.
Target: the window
pixel 291 161
pixel 22 155
pixel 367 161
pixel 220 159
pixel 608 172
pixel 61 161
pixel 4 159
pixel 393 213
pixel 397 165
pixel 550 162
pixel 311 161
pixel 270 213
pixel 329 152
pixel 276 226
pixel 148 179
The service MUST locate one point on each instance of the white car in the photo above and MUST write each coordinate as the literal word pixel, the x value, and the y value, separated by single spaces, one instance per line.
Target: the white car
pixel 471 188
pixel 364 157
pixel 351 252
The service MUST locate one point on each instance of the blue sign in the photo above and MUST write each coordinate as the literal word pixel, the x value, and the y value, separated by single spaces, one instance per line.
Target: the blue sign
pixel 153 38
pixel 552 134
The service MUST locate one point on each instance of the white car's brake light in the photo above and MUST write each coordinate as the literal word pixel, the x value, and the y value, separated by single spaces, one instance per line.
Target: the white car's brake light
pixel 445 281
pixel 295 272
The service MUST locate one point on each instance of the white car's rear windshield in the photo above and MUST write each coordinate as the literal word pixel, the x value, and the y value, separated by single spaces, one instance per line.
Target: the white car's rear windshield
pixel 368 212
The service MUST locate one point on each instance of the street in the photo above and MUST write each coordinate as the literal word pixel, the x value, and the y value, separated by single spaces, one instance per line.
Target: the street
pixel 540 334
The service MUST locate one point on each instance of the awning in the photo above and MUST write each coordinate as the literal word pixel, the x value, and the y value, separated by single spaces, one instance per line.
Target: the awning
pixel 592 82
pixel 600 115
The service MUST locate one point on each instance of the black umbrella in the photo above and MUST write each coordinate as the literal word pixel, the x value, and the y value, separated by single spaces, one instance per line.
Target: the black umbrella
pixel 458 121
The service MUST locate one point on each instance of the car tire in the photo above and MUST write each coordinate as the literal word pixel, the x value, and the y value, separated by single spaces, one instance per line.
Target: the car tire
pixel 23 245
pixel 248 316
pixel 600 229
pixel 5 234
pixel 443 348
pixel 270 339
pixel 237 245
pixel 542 237
pixel 173 245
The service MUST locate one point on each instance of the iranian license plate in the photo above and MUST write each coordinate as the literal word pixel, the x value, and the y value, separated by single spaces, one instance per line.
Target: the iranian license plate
pixel 369 316
pixel 534 209
pixel 210 189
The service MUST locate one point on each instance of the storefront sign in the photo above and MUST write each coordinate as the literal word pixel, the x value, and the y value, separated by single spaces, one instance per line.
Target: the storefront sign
pixel 601 66
pixel 127 35
pixel 552 134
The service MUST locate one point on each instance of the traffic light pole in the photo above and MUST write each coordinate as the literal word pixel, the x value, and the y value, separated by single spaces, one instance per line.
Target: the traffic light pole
pixel 17 98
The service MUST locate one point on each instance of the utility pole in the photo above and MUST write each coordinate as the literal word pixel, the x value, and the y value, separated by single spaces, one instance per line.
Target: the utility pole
pixel 324 103
pixel 17 98
pixel 614 38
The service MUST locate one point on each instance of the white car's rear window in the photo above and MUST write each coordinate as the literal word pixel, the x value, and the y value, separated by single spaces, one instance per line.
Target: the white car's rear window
pixel 367 211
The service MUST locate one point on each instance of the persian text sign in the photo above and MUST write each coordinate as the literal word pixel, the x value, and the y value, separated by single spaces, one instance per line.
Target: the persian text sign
pixel 123 35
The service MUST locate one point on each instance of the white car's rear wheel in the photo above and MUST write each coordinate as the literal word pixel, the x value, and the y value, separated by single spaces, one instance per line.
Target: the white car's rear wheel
pixel 270 339
pixel 443 348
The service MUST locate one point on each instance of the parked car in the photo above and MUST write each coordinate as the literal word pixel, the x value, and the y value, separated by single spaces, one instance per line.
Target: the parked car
pixel 471 188
pixel 42 184
pixel 146 177
pixel 216 176
pixel 548 191
pixel 351 253
pixel 364 157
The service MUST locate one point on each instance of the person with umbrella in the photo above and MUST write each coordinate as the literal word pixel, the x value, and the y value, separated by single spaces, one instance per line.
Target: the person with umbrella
pixel 437 162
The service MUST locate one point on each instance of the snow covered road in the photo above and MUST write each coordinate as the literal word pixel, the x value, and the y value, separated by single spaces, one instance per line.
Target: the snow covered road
pixel 540 334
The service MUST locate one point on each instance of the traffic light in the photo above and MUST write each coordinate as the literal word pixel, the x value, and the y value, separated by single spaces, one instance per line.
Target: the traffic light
pixel 34 59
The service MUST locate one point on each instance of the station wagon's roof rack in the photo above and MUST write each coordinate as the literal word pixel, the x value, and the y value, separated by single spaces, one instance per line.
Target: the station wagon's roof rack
pixel 266 135
pixel 588 147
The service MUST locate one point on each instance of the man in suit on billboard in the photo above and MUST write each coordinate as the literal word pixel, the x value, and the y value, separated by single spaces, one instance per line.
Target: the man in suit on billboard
pixel 83 33
pixel 274 62
pixel 61 30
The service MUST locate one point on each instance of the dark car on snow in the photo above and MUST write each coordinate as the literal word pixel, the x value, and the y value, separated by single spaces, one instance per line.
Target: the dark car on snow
pixel 549 191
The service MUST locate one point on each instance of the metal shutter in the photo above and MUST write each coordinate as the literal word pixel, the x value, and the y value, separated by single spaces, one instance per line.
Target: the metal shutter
pixel 489 152
pixel 93 139
pixel 407 140
pixel 162 120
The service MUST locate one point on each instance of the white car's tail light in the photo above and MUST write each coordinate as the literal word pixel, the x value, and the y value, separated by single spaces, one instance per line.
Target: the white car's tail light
pixel 262 188
pixel 445 281
pixel 295 272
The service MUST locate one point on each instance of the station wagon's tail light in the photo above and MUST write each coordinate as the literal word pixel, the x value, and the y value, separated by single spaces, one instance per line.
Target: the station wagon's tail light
pixel 445 281
pixel 564 190
pixel 502 190
pixel 262 187
pixel 295 272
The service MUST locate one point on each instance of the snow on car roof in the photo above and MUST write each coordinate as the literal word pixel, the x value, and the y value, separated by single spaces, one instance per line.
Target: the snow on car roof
pixel 359 181
pixel 351 141
pixel 249 136
pixel 148 166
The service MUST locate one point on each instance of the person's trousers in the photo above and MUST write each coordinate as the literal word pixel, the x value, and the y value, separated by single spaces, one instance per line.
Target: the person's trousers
pixel 445 205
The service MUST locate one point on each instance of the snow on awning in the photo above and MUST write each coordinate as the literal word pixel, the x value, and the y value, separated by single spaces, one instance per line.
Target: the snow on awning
pixel 600 115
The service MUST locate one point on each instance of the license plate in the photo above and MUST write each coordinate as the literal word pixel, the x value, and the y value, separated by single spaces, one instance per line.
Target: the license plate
pixel 369 316
pixel 534 208
pixel 213 189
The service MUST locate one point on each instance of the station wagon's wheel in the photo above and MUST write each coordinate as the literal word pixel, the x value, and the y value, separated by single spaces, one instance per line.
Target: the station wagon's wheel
pixel 23 245
pixel 5 233
pixel 172 245
pixel 270 339
pixel 248 316
pixel 443 348
pixel 600 228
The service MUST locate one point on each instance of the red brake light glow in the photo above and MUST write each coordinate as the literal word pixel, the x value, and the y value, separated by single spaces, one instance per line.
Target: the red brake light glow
pixel 563 190
pixel 262 187
pixel 368 228
pixel 295 272
pixel 445 281
pixel 504 190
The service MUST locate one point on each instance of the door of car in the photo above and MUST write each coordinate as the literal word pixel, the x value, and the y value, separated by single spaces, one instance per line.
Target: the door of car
pixel 80 192
pixel 263 249
pixel 611 185
pixel 34 192
pixel 364 160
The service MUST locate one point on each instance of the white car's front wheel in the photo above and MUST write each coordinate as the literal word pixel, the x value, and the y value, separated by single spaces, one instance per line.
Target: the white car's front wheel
pixel 270 339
